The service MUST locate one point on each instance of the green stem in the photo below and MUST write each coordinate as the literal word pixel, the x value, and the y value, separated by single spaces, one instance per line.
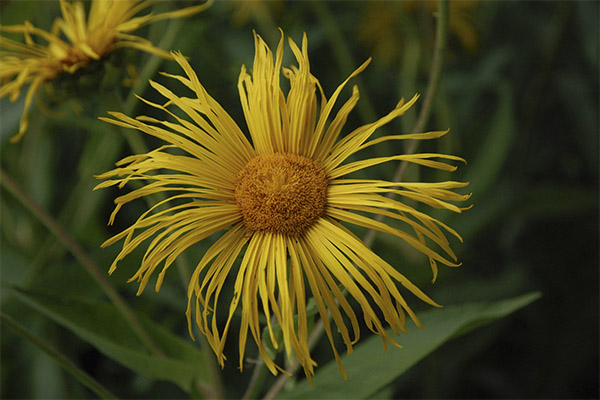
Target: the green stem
pixel 443 17
pixel 249 393
pixel 280 383
pixel 134 139
pixel 259 368
pixel 63 361
pixel 218 389
pixel 81 257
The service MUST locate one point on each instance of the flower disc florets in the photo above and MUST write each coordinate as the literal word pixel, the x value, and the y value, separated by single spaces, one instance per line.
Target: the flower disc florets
pixel 281 192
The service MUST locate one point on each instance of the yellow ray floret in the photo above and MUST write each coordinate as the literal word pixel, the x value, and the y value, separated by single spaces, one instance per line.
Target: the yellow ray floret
pixel 280 194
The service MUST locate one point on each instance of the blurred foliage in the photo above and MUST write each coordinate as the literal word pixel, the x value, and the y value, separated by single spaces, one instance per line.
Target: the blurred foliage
pixel 521 100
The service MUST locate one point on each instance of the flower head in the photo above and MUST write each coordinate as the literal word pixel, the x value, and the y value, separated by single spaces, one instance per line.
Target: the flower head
pixel 280 197
pixel 73 42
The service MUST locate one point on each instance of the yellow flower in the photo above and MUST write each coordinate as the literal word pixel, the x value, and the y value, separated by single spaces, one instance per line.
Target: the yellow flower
pixel 280 198
pixel 72 43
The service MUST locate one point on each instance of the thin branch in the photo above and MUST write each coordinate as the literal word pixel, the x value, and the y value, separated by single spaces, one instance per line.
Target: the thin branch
pixel 280 383
pixel 443 16
pixel 134 139
pixel 254 379
pixel 258 369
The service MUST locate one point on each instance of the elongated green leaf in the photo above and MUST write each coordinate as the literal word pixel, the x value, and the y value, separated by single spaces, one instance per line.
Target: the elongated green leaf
pixel 369 369
pixel 101 325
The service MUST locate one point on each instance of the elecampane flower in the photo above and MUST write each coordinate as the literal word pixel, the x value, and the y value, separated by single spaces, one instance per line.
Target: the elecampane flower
pixel 280 198
pixel 73 42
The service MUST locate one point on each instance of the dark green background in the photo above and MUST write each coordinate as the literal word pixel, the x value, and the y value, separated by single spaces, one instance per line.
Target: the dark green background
pixel 522 108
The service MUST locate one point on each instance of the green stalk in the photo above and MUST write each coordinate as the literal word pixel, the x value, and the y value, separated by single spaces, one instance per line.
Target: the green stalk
pixel 89 265
pixel 280 383
pixel 62 361
pixel 443 17
pixel 257 374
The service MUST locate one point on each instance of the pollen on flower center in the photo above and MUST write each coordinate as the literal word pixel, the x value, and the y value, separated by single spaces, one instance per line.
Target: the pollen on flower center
pixel 281 192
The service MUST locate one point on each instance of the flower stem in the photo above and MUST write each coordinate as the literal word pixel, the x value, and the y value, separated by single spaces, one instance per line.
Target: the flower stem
pixel 254 380
pixel 280 383
pixel 63 361
pixel 256 374
pixel 151 65
pixel 443 16
pixel 57 230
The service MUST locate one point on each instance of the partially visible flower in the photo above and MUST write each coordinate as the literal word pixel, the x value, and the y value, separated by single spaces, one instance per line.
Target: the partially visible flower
pixel 73 42
pixel 384 24
pixel 280 198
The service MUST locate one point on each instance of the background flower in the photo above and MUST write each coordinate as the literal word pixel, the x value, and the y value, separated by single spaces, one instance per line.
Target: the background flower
pixel 73 42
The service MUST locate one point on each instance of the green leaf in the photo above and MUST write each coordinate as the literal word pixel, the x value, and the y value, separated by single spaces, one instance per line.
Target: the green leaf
pixel 369 369
pixel 101 325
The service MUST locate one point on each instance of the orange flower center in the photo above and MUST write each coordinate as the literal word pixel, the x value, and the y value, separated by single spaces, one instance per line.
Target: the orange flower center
pixel 281 192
